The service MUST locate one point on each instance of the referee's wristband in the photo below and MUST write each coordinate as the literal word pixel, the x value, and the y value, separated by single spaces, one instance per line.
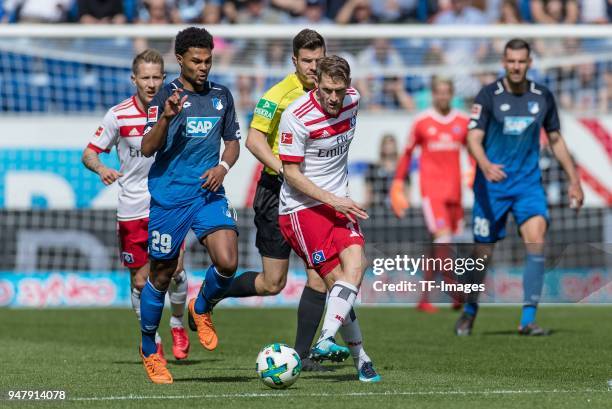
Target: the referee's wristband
pixel 225 165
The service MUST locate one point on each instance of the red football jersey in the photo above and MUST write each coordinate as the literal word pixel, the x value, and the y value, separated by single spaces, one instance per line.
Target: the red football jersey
pixel 441 138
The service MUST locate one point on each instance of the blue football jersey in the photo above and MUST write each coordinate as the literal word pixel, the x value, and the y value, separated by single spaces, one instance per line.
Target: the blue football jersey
pixel 512 124
pixel 193 142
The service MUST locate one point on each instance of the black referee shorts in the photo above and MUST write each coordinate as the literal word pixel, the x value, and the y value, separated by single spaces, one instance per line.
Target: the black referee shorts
pixel 269 239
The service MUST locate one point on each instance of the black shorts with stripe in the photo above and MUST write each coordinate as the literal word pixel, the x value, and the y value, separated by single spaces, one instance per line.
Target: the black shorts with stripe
pixel 269 239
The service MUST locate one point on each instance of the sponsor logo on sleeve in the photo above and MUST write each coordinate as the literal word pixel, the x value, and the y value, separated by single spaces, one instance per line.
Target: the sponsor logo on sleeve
pixel 200 126
pixel 266 109
pixel 152 114
pixel 99 131
pixel 476 111
pixel 286 138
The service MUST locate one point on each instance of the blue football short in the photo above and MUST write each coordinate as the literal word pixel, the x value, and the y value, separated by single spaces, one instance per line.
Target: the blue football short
pixel 491 211
pixel 169 227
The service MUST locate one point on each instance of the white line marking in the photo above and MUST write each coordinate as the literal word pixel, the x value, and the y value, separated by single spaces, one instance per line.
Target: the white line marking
pixel 285 394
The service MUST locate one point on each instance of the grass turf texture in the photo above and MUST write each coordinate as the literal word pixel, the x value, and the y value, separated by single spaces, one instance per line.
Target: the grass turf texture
pixel 93 354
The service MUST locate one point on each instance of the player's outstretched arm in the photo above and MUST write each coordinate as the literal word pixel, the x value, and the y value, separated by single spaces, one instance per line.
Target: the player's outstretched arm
pixel 559 148
pixel 493 172
pixel 155 139
pixel 213 177
pixel 257 144
pixel 344 205
pixel 91 160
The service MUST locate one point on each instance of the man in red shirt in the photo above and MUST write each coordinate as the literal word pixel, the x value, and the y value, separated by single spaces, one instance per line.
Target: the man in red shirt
pixel 441 132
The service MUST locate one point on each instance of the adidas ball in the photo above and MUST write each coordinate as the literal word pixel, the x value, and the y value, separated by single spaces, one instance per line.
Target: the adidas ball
pixel 278 366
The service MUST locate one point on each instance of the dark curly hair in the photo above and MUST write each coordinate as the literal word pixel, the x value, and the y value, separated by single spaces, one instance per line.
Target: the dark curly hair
pixel 192 37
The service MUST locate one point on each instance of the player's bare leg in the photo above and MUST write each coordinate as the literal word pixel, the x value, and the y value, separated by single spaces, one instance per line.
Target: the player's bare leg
pixel 533 232
pixel 222 247
pixel 177 292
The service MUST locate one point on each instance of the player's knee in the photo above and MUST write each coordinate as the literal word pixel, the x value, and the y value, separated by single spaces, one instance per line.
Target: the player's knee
pixel 161 273
pixel 275 285
pixel 316 284
pixel 226 265
pixel 139 282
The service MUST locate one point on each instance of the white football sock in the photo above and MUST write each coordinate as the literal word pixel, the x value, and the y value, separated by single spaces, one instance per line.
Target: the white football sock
pixel 177 292
pixel 341 299
pixel 351 334
pixel 136 302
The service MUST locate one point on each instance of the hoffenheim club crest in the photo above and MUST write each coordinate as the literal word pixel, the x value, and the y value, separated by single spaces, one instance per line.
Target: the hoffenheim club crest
pixel 217 104
pixel 533 107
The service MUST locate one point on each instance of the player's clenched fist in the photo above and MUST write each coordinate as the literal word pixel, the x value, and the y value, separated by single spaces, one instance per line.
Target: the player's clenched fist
pixel 174 103
pixel 108 175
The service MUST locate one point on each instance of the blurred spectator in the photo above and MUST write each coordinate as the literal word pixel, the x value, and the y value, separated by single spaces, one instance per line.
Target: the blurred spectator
pixel 554 11
pixel 356 12
pixel 380 89
pixel 583 88
pixel 594 11
pixel 190 11
pixel 258 12
pixel 101 11
pixel 314 13
pixel 395 11
pixel 36 11
pixel 606 93
pixel 460 52
pixel 509 13
pixel 211 12
pixel 231 9
pixel 379 175
pixel 290 8
pixel 157 12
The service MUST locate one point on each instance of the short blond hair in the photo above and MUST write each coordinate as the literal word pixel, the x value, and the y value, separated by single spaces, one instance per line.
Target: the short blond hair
pixel 437 80
pixel 147 56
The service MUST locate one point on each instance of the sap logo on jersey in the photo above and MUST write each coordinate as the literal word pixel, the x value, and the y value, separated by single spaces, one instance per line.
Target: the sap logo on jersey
pixel 516 125
pixel 200 126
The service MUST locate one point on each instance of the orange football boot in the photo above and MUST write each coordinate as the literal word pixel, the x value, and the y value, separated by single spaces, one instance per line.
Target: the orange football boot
pixel 156 369
pixel 203 325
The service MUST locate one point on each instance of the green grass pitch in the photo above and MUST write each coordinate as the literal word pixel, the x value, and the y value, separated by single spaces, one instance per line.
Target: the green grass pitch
pixel 92 354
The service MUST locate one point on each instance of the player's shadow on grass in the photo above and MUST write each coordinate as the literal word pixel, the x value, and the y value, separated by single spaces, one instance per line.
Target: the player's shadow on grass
pixel 217 379
pixel 173 362
pixel 189 362
pixel 514 333
pixel 330 377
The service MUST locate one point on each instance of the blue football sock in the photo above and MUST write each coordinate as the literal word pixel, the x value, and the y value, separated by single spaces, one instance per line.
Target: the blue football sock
pixel 528 315
pixel 470 308
pixel 533 278
pixel 151 308
pixel 533 281
pixel 212 291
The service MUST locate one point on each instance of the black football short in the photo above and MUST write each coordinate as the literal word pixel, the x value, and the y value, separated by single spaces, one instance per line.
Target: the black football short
pixel 269 239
